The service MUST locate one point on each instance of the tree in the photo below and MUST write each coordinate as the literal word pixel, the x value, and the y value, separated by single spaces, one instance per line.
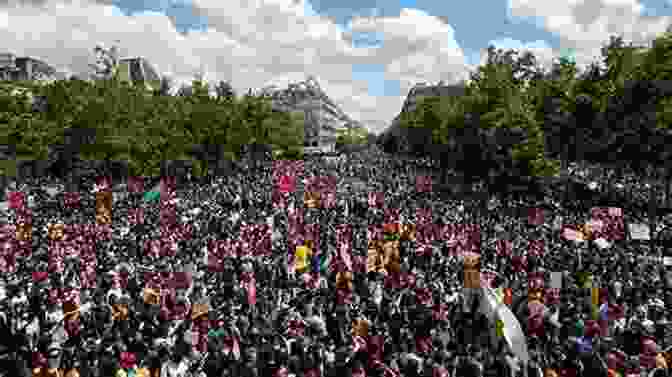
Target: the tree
pixel 224 90
pixel 165 86
pixel 106 62
pixel 185 91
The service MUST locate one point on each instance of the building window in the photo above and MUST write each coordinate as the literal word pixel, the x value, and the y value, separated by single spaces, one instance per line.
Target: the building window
pixel 314 143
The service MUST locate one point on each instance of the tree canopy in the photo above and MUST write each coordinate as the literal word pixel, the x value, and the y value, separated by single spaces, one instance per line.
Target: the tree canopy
pixel 516 119
pixel 143 130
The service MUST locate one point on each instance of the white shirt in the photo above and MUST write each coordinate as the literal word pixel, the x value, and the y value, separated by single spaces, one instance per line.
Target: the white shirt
pixel 172 369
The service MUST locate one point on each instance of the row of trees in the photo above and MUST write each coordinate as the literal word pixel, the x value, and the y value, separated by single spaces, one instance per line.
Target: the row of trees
pixel 518 120
pixel 353 139
pixel 108 120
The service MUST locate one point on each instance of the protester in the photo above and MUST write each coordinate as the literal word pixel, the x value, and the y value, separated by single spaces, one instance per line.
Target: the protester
pixel 204 280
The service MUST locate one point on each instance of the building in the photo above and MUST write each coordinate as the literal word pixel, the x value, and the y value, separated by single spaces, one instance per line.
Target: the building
pixel 420 91
pixel 138 70
pixel 319 133
pixel 23 68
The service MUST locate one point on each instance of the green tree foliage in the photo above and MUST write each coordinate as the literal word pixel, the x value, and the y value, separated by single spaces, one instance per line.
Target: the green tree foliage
pixel 224 91
pixel 517 119
pixel 139 130
pixel 352 139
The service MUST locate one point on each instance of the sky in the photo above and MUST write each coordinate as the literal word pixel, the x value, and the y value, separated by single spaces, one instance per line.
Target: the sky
pixel 365 54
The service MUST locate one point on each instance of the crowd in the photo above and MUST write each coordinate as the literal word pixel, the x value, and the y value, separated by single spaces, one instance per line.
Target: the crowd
pixel 258 274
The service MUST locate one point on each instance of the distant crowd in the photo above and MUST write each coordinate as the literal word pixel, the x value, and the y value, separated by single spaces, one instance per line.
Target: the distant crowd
pixel 280 271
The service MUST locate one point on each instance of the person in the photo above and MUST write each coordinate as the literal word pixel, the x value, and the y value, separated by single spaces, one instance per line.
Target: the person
pixel 176 365
pixel 470 366
pixel 397 317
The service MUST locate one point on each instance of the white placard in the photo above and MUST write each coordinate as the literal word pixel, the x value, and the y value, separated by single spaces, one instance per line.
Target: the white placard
pixel 639 231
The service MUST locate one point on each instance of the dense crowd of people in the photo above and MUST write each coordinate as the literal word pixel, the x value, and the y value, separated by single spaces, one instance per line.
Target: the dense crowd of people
pixel 344 267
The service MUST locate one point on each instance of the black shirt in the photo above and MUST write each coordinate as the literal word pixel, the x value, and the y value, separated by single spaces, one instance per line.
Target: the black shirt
pixel 138 348
pixel 214 365
pixel 108 365
pixel 468 368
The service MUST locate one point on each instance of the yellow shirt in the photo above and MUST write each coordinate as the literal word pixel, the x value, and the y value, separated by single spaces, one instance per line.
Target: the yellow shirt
pixel 301 256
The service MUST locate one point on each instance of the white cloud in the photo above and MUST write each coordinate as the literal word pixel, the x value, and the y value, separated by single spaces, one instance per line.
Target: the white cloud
pixel 417 48
pixel 541 50
pixel 257 43
pixel 586 25
pixel 251 44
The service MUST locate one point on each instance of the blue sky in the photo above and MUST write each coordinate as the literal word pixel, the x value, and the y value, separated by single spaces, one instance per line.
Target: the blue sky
pixel 366 54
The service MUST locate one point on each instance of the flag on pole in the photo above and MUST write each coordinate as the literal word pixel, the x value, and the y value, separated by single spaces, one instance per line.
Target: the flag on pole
pixel 509 326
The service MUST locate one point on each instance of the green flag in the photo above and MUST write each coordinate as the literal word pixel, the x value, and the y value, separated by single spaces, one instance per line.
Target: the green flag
pixel 151 196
